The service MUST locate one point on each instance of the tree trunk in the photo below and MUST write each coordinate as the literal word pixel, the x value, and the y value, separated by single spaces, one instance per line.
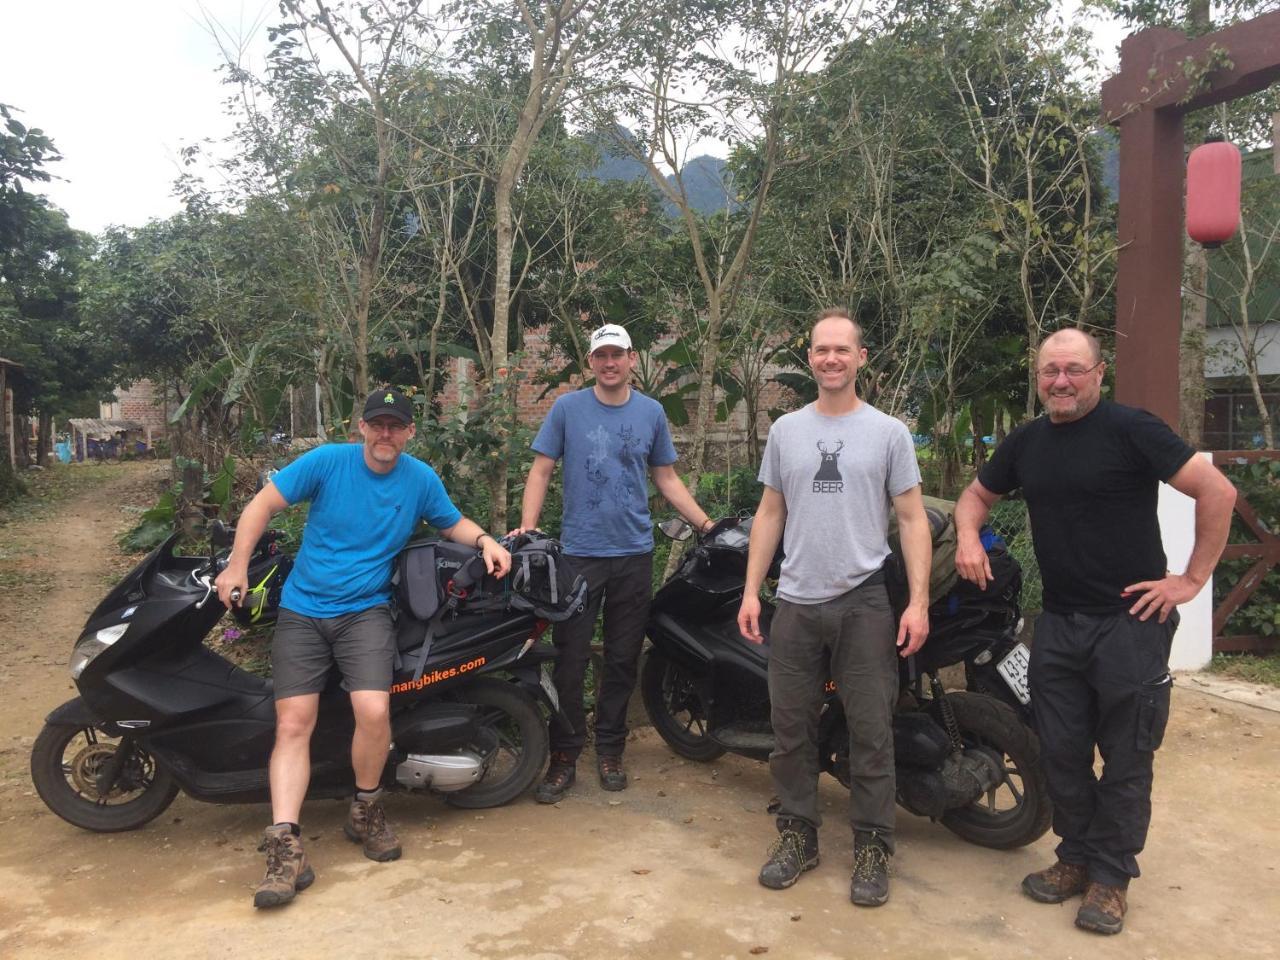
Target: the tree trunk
pixel 44 438
pixel 1195 309
pixel 22 442
pixel 190 513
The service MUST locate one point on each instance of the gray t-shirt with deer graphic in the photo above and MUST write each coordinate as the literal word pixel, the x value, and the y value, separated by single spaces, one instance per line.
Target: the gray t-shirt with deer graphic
pixel 837 476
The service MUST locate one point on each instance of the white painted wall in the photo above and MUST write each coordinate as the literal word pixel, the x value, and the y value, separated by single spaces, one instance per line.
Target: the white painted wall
pixel 1193 643
pixel 1222 351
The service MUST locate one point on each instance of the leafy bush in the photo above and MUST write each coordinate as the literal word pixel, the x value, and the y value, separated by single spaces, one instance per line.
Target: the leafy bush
pixel 1260 484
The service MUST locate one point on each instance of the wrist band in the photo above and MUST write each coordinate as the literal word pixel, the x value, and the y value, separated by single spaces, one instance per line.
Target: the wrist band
pixel 481 537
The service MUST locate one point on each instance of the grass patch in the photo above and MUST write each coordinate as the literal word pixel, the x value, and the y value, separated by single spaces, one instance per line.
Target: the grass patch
pixel 1247 666
pixel 51 486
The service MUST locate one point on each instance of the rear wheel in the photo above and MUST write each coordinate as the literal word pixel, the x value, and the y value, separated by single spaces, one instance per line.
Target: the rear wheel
pixel 66 762
pixel 1017 810
pixel 512 740
pixel 676 709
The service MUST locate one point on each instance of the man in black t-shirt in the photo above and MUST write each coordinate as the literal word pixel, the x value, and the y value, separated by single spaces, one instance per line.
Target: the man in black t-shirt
pixel 1090 473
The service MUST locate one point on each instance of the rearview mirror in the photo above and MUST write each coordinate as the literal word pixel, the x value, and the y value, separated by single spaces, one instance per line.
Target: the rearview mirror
pixel 676 529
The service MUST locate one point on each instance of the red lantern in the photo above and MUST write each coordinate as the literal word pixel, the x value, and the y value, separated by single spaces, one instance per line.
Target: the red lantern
pixel 1213 193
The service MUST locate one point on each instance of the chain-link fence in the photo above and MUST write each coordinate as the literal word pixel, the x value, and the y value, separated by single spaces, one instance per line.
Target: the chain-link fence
pixel 1009 519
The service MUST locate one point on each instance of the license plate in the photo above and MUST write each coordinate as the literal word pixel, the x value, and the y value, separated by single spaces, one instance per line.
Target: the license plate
pixel 545 681
pixel 1014 670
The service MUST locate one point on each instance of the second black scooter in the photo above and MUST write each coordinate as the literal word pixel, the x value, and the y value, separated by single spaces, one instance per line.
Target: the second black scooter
pixel 967 758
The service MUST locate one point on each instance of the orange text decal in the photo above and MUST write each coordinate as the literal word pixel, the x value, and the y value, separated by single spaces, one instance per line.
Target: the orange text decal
pixel 435 676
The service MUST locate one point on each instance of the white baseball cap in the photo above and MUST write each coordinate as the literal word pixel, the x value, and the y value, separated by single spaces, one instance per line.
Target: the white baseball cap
pixel 610 335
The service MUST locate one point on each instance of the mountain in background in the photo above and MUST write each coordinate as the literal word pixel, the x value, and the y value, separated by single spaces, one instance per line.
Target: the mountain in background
pixel 706 178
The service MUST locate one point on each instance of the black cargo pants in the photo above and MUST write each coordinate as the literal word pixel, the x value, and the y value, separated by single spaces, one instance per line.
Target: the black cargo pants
pixel 1101 680
pixel 624 587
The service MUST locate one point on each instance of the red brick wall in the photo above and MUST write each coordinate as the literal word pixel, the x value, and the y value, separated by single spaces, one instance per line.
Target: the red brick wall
pixel 539 356
pixel 142 402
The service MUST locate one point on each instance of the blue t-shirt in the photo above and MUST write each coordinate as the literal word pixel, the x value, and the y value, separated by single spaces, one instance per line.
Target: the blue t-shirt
pixel 607 453
pixel 358 522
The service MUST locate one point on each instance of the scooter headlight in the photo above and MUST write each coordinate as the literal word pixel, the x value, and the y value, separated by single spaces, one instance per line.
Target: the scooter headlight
pixel 91 644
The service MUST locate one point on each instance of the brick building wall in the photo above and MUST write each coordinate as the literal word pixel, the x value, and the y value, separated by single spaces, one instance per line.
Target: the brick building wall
pixel 533 400
pixel 144 402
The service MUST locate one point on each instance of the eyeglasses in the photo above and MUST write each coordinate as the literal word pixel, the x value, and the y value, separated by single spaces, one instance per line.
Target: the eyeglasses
pixel 386 426
pixel 1073 372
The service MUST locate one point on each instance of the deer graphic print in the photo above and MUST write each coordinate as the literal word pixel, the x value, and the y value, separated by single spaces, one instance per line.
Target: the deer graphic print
pixel 828 478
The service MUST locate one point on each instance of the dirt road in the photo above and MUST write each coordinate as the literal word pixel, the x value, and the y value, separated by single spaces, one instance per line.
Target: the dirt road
pixel 664 870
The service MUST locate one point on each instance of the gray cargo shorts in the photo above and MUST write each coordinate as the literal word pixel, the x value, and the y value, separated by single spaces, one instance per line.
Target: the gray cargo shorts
pixel 304 648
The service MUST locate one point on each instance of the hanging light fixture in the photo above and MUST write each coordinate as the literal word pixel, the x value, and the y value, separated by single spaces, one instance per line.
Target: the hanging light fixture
pixel 1213 193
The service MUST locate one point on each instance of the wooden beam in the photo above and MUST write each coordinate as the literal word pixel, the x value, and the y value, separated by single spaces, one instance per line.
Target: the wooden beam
pixel 1149 264
pixel 1152 74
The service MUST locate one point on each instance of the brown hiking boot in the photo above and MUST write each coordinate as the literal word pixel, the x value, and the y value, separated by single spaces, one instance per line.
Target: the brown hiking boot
pixel 612 776
pixel 287 868
pixel 1060 882
pixel 367 824
pixel 1103 908
pixel 559 778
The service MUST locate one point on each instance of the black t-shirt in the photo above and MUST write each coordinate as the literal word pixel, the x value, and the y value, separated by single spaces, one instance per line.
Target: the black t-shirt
pixel 1091 487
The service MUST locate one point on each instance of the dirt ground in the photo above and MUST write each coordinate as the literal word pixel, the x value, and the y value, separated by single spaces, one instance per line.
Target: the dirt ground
pixel 664 870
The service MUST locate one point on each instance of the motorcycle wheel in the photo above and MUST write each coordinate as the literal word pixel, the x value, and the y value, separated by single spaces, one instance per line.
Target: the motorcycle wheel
pixel 514 747
pixel 65 763
pixel 1017 811
pixel 676 710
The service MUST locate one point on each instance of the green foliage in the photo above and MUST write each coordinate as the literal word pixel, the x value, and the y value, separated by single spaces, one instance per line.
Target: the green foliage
pixel 11 485
pixel 729 494
pixel 1260 616
pixel 1243 666
pixel 154 526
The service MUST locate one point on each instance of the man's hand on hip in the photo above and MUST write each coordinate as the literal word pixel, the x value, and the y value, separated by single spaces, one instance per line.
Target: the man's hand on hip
pixel 1162 595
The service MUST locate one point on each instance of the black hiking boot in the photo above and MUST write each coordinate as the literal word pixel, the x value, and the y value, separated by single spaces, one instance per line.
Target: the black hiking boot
pixel 869 886
pixel 612 776
pixel 559 778
pixel 794 852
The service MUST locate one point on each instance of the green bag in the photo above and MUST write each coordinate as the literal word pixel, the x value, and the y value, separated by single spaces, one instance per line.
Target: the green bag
pixel 942 569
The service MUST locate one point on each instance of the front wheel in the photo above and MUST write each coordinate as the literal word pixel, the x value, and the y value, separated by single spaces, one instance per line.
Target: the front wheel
pixel 1017 810
pixel 65 764
pixel 676 709
pixel 512 740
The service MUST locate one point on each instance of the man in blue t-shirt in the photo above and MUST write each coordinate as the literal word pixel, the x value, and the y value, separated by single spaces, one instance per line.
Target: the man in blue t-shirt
pixel 366 500
pixel 612 439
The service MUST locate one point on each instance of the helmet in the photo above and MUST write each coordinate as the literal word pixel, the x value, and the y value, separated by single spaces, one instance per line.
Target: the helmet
pixel 261 603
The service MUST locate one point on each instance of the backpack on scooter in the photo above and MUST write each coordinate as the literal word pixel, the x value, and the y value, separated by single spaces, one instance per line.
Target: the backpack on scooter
pixel 543 581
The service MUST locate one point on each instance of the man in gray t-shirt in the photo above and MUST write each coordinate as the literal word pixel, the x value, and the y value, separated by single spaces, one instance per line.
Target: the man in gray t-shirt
pixel 831 472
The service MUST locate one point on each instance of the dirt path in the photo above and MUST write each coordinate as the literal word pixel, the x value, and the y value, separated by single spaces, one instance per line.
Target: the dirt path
pixel 664 870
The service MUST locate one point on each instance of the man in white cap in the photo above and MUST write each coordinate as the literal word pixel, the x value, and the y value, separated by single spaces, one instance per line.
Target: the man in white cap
pixel 611 438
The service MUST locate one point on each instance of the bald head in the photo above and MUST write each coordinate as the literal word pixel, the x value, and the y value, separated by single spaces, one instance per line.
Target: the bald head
pixel 1074 338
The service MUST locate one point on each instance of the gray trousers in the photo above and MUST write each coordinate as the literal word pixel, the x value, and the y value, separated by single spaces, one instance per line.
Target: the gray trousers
pixel 851 640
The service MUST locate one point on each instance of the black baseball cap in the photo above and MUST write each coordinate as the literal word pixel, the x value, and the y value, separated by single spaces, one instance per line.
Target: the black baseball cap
pixel 388 403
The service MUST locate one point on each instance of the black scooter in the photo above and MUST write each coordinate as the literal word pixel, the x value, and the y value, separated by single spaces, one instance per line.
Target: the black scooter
pixel 967 758
pixel 159 711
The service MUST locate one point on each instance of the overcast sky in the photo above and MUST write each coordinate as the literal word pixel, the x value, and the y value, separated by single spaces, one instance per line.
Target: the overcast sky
pixel 121 86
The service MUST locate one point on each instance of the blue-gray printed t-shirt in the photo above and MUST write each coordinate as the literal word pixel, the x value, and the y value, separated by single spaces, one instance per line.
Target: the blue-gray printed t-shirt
pixel 607 452
pixel 358 521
